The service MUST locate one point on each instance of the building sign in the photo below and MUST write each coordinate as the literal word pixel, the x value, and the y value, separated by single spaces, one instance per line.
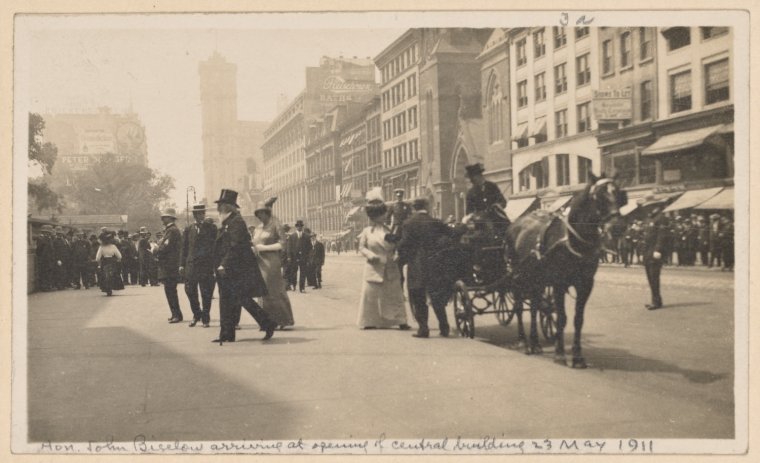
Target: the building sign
pixel 671 175
pixel 337 81
pixel 96 141
pixel 338 84
pixel 613 104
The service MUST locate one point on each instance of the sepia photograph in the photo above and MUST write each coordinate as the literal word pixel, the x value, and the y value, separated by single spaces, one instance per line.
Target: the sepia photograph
pixel 406 233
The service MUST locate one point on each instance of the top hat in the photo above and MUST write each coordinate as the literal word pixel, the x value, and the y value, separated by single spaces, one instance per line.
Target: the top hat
pixel 228 197
pixel 143 230
pixel 170 212
pixel 474 169
pixel 299 223
pixel 199 207
pixel 265 206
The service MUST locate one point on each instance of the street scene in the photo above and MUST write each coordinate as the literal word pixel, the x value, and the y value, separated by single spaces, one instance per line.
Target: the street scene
pixel 366 233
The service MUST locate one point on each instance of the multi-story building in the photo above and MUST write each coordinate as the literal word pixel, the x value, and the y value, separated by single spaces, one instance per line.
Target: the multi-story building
pixel 334 81
pixel 231 148
pixel 553 72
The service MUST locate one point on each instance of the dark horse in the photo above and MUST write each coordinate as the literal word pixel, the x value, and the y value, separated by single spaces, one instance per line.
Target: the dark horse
pixel 558 251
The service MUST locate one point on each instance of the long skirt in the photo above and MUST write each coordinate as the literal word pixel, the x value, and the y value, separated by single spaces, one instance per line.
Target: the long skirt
pixel 109 277
pixel 382 305
pixel 276 304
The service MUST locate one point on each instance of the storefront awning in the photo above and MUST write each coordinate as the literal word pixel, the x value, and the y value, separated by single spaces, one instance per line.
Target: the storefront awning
pixel 521 133
pixel 559 203
pixel 723 200
pixel 693 198
pixel 681 140
pixel 517 207
pixel 541 129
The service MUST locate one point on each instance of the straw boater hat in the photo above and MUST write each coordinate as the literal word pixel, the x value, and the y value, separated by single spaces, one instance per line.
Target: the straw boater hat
pixel 199 207
pixel 170 212
pixel 143 230
pixel 265 206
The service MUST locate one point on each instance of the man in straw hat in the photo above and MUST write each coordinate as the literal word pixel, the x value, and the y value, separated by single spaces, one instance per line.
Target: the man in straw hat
pixel 237 271
pixel 197 264
pixel 168 253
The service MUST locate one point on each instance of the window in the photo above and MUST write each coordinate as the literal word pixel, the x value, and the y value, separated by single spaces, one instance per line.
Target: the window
pixel 560 79
pixel 677 37
pixel 560 123
pixel 522 56
pixel 412 84
pixel 608 65
pixel 522 93
pixel 716 81
pixel 539 46
pixel 560 37
pixel 524 179
pixel 540 86
pixel 583 71
pixel 541 172
pixel 584 117
pixel 563 169
pixel 584 167
pixel 624 167
pixel 581 32
pixel 625 49
pixel 646 99
pixel 711 32
pixel 647 170
pixel 645 43
pixel 680 92
pixel 413 117
pixel 495 124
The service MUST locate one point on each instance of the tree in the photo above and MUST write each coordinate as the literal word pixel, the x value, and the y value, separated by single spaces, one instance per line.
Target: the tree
pixel 44 155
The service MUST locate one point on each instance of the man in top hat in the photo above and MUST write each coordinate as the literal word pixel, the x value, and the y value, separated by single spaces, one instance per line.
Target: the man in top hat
pixel 46 262
pixel 654 236
pixel 483 195
pixel 168 254
pixel 80 260
pixel 299 248
pixel 197 264
pixel 62 249
pixel 237 271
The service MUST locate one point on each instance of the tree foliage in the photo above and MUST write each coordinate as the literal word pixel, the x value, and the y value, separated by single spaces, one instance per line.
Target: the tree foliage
pixel 41 197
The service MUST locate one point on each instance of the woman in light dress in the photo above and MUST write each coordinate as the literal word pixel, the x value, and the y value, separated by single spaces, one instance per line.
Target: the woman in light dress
pixel 108 258
pixel 382 300
pixel 268 242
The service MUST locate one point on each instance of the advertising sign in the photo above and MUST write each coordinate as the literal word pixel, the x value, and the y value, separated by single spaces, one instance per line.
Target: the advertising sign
pixel 613 104
pixel 96 141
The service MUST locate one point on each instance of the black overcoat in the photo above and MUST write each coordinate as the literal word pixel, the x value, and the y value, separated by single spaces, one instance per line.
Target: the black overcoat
pixel 168 253
pixel 198 250
pixel 232 250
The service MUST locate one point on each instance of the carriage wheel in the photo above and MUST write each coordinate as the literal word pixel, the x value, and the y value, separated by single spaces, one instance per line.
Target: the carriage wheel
pixel 463 313
pixel 504 308
pixel 548 315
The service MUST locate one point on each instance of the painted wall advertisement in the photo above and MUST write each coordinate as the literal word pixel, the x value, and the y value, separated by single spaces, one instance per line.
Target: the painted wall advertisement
pixel 612 105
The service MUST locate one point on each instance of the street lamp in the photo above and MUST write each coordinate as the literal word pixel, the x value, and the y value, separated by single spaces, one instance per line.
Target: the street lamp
pixel 187 203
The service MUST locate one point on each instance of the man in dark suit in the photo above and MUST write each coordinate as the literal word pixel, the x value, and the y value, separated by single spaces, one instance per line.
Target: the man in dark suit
pixel 483 194
pixel 80 259
pixel 422 236
pixel 123 245
pixel 168 254
pixel 237 271
pixel 46 262
pixel 197 264
pixel 62 251
pixel 299 248
pixel 654 237
pixel 317 260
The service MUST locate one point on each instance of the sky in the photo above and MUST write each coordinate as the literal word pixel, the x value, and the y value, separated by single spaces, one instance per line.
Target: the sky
pixel 155 70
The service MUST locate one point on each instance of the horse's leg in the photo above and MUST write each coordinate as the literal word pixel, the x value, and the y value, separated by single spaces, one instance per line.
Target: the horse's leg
pixel 534 346
pixel 520 327
pixel 559 305
pixel 583 291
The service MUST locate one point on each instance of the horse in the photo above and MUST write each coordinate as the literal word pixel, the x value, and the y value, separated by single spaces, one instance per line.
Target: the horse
pixel 557 251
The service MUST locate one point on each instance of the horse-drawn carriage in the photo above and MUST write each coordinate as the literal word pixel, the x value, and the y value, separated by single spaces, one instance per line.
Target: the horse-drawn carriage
pixel 537 258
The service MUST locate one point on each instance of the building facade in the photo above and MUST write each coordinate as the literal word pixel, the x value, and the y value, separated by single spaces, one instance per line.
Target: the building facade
pixel 231 148
pixel 334 81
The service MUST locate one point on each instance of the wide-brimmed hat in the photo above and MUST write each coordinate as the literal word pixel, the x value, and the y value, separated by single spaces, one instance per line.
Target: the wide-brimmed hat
pixel 474 169
pixel 228 197
pixel 375 196
pixel 199 207
pixel 169 212
pixel 299 223
pixel 143 230
pixel 47 229
pixel 265 206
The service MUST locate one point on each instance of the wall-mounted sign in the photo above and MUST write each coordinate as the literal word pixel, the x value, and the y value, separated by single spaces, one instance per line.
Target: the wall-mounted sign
pixel 614 104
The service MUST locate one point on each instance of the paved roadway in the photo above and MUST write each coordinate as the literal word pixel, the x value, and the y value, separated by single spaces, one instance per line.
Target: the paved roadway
pixel 112 367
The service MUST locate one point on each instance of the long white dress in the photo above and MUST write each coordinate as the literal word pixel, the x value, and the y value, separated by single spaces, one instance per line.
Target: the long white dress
pixel 382 300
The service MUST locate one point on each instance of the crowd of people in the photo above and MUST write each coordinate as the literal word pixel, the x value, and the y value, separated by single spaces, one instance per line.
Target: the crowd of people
pixel 688 240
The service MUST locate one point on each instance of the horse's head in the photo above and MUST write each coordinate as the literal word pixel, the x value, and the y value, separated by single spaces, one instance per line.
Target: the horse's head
pixel 607 198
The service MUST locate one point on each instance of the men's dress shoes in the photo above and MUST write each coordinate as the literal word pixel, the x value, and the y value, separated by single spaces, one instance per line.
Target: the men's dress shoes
pixel 404 327
pixel 445 331
pixel 270 331
pixel 175 320
pixel 421 334
pixel 170 318
pixel 193 323
pixel 205 325
pixel 653 306
pixel 220 340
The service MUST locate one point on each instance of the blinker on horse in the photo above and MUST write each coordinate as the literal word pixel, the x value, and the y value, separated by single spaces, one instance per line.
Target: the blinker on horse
pixel 551 252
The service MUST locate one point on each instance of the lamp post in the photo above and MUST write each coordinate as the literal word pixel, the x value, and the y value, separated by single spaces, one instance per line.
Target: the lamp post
pixel 187 203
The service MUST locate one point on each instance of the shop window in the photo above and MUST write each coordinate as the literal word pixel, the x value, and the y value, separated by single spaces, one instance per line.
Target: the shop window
pixel 584 167
pixel 539 46
pixel 560 37
pixel 563 169
pixel 608 65
pixel 677 37
pixel 624 167
pixel 716 81
pixel 680 92
pixel 541 172
pixel 647 170
pixel 524 179
pixel 560 79
pixel 712 32
pixel 645 94
pixel 703 164
pixel 583 71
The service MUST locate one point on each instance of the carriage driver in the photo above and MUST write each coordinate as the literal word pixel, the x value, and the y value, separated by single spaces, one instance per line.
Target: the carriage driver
pixel 484 196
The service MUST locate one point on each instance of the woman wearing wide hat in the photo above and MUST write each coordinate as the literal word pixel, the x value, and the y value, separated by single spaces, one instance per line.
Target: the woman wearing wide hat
pixel 108 258
pixel 269 241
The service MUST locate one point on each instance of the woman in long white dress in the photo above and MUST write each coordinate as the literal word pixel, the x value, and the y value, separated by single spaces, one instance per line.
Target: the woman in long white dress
pixel 382 300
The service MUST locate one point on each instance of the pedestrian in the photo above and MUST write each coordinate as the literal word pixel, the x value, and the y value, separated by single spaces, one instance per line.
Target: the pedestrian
pixel 715 242
pixel 154 259
pixel 62 251
pixel 381 304
pixel 310 275
pixel 80 258
pixel 727 243
pixel 269 241
pixel 338 246
pixel 45 259
pixel 108 258
pixel 144 256
pixel 703 240
pixel 125 248
pixel 93 264
pixel 196 265
pixel 168 254
pixel 423 237
pixel 237 271
pixel 134 264
pixel 654 237
pixel 299 247
pixel 317 260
